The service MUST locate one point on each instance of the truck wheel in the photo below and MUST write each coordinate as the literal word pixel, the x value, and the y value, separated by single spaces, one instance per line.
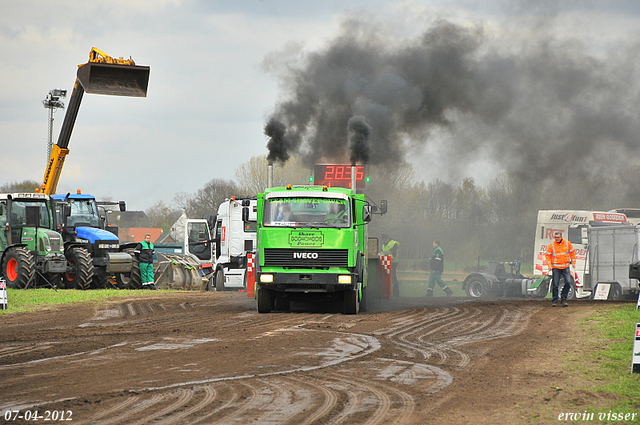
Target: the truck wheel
pixel 219 280
pixel 615 293
pixel 363 300
pixel 82 276
pixel 18 267
pixel 264 300
pixel 351 303
pixel 475 288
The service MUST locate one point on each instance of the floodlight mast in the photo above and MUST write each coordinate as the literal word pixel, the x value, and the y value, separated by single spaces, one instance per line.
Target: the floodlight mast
pixel 52 102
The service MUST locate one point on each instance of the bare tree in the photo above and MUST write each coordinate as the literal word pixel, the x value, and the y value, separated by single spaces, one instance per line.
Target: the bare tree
pixel 161 215
pixel 252 175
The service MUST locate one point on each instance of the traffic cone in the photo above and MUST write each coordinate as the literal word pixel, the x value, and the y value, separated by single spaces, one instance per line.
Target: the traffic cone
pixel 4 301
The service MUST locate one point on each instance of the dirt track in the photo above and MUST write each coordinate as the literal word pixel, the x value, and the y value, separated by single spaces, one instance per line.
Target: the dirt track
pixel 185 358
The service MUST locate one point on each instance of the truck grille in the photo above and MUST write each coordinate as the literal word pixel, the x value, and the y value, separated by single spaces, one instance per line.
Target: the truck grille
pixel 306 258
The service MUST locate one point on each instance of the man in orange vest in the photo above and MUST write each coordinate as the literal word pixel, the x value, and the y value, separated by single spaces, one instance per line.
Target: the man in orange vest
pixel 560 257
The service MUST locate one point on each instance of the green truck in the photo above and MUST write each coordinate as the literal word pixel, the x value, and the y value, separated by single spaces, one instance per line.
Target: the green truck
pixel 312 243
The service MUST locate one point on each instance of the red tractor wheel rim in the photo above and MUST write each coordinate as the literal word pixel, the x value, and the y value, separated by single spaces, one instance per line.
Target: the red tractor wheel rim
pixel 70 276
pixel 12 269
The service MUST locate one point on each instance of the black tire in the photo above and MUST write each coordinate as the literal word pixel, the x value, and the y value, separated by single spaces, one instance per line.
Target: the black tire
pixel 264 300
pixel 132 279
pixel 475 288
pixel 219 280
pixel 18 267
pixel 351 303
pixel 99 281
pixel 615 292
pixel 82 274
pixel 363 300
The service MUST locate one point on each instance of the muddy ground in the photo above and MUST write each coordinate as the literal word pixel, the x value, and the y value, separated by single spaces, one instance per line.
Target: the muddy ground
pixel 210 358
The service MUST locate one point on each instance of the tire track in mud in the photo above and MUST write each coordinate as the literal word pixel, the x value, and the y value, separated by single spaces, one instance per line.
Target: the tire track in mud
pixel 370 391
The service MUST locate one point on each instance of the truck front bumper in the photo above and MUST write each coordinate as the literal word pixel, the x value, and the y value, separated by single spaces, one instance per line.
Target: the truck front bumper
pixel 306 282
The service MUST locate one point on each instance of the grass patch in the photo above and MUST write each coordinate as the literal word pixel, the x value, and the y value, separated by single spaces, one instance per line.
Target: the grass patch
pixel 610 365
pixel 42 298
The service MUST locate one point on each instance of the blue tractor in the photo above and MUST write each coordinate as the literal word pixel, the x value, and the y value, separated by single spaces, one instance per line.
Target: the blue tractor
pixel 93 252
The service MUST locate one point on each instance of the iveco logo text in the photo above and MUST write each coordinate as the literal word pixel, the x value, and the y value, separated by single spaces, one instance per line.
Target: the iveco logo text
pixel 306 255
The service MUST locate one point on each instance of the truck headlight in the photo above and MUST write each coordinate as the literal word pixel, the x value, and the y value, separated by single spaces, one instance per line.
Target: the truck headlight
pixel 266 278
pixel 344 278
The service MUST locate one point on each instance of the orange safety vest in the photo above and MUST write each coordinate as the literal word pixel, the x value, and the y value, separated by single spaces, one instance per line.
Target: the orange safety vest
pixel 560 255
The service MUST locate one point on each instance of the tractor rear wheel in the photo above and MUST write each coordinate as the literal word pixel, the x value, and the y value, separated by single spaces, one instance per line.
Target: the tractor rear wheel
pixel 18 267
pixel 82 275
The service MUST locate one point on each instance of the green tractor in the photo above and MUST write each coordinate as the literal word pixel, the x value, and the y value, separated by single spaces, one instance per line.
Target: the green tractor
pixel 31 254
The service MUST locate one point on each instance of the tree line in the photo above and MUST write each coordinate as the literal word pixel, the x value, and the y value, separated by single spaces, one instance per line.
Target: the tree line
pixel 496 222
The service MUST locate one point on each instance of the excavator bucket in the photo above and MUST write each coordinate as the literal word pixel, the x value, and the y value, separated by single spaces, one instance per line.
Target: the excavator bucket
pixel 114 80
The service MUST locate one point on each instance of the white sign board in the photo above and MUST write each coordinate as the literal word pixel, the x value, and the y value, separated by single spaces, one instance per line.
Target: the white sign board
pixel 635 362
pixel 602 291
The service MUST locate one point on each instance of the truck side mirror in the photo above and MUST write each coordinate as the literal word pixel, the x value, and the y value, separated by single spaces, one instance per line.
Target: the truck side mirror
pixel 383 206
pixel 366 213
pixel 245 214
pixel 122 205
pixel 66 210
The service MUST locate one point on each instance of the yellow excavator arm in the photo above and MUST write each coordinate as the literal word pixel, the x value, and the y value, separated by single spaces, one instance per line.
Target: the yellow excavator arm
pixel 101 75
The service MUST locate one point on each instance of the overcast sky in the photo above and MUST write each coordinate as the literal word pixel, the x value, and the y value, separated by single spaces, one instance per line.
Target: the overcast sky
pixel 213 82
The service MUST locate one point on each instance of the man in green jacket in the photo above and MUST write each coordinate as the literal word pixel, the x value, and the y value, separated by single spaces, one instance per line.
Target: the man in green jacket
pixel 390 247
pixel 144 253
pixel 437 267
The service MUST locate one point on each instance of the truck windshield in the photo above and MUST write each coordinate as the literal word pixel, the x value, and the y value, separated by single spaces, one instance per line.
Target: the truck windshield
pixel 306 212
pixel 19 213
pixel 83 213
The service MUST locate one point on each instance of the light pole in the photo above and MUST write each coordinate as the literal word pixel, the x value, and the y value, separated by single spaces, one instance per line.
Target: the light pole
pixel 52 102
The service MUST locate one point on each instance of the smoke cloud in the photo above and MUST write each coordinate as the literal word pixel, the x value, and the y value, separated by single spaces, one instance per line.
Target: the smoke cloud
pixel 359 148
pixel 543 108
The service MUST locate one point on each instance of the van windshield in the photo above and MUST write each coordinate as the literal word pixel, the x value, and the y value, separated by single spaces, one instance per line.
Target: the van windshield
pixel 306 212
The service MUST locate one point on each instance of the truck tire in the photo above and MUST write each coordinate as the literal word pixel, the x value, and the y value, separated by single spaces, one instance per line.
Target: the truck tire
pixel 83 275
pixel 18 267
pixel 264 300
pixel 615 292
pixel 219 280
pixel 475 288
pixel 351 302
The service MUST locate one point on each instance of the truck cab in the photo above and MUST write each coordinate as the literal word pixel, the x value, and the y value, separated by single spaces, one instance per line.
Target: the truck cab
pixel 312 243
pixel 235 236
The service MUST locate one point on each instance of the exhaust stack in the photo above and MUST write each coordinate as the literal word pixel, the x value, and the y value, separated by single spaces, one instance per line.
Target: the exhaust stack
pixel 269 175
pixel 353 177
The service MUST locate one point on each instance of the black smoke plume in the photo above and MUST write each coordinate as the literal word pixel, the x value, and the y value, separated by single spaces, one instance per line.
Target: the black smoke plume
pixel 279 146
pixel 540 108
pixel 359 147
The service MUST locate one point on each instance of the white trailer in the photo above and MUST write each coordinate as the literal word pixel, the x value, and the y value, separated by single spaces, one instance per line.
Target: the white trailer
pixel 611 250
pixel 574 225
pixel 235 236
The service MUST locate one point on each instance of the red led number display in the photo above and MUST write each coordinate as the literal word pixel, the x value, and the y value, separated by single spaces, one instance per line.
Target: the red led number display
pixel 338 175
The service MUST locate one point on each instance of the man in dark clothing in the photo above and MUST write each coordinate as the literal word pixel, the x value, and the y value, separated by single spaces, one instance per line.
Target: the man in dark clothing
pixel 437 267
pixel 144 253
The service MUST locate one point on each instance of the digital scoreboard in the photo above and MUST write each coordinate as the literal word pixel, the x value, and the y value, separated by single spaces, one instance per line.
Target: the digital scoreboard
pixel 339 176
